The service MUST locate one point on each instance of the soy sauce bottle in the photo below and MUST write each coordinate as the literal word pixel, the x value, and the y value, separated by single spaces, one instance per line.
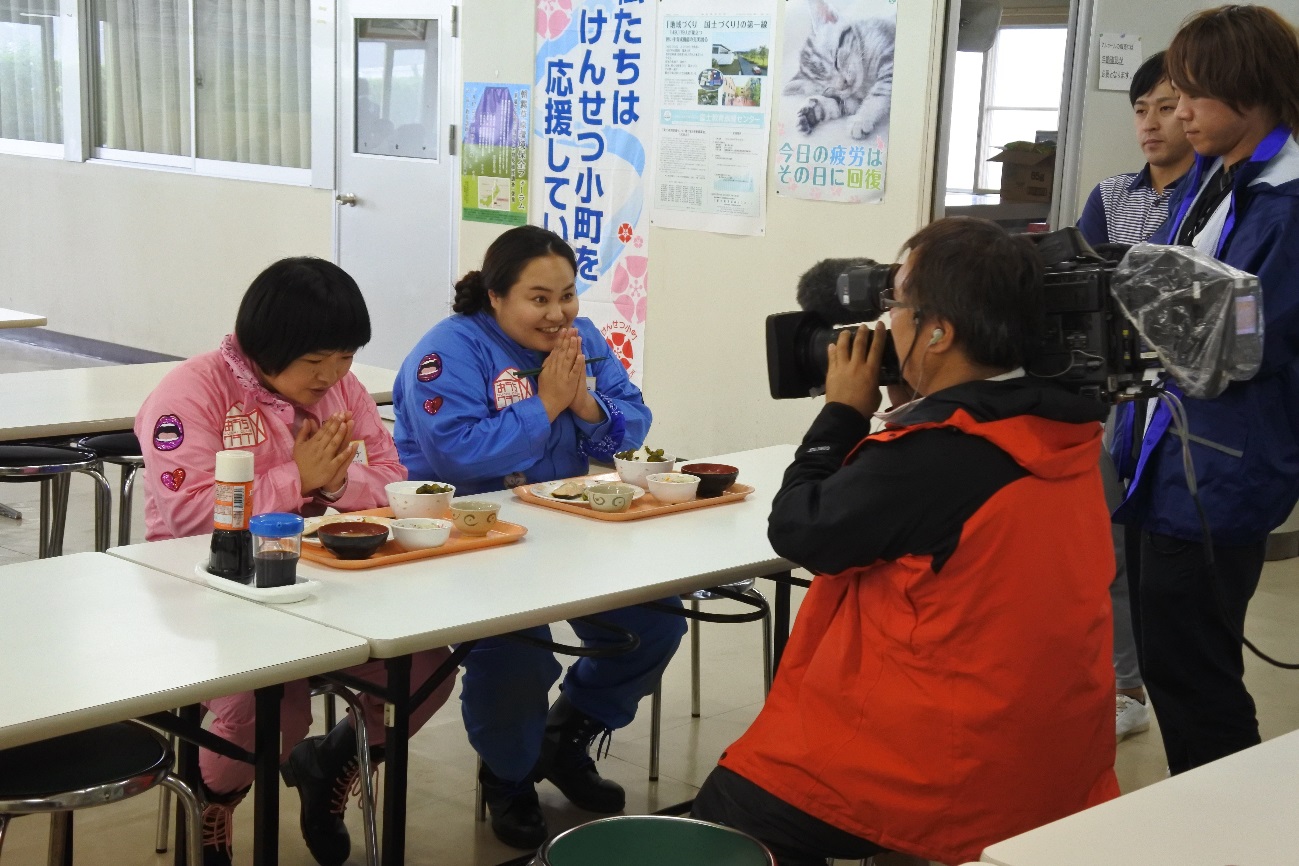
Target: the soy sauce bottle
pixel 232 543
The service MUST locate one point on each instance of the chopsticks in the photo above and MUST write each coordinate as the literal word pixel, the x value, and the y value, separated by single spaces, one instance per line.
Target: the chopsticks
pixel 519 374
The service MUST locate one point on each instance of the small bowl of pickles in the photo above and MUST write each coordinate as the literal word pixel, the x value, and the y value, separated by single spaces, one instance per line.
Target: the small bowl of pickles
pixel 420 498
pixel 633 466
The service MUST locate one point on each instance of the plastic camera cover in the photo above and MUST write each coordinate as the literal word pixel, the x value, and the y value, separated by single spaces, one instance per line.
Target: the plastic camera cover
pixel 1202 317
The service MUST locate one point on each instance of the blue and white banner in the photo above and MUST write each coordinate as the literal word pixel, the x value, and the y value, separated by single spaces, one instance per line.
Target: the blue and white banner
pixel 592 126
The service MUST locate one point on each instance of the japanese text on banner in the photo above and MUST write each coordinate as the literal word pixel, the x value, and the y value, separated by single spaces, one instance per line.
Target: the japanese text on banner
pixel 592 88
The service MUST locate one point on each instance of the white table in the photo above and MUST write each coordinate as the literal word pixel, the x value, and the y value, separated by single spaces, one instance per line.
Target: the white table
pixel 567 566
pixel 89 639
pixel 1239 809
pixel 88 400
pixel 15 319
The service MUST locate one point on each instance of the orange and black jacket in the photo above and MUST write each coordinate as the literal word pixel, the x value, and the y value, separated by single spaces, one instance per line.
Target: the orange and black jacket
pixel 948 682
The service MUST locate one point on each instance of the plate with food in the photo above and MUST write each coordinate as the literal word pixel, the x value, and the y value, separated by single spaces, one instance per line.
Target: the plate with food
pixel 311 524
pixel 572 491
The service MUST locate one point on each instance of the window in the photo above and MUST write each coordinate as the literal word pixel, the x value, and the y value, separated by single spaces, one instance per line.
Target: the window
pixel 1009 94
pixel 396 87
pixel 30 87
pixel 246 101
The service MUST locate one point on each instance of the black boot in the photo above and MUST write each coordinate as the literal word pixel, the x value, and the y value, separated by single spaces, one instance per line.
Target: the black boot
pixel 569 767
pixel 323 770
pixel 218 827
pixel 515 811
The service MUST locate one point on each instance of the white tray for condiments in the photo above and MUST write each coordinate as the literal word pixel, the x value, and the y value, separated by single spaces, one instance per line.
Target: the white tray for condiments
pixel 271 595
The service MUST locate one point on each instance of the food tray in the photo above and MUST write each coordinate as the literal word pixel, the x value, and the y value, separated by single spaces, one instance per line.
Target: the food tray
pixel 391 552
pixel 645 506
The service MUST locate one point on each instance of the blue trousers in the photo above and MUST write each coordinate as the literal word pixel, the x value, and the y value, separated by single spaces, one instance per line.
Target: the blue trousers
pixel 505 686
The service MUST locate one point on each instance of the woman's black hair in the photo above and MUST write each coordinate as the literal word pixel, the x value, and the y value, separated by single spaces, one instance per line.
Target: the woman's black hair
pixel 506 258
pixel 298 306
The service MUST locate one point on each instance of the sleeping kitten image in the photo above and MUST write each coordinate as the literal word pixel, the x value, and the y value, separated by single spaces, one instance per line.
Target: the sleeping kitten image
pixel 845 70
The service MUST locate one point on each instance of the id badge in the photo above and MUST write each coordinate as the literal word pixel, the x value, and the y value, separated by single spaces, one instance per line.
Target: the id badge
pixel 360 456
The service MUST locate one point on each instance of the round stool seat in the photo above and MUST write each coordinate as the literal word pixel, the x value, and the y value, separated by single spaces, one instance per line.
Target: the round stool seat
pixel 708 594
pixel 43 457
pixel 108 445
pixel 87 759
pixel 651 840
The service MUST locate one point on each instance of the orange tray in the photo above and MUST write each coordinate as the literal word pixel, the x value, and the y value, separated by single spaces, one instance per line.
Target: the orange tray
pixel 645 506
pixel 391 552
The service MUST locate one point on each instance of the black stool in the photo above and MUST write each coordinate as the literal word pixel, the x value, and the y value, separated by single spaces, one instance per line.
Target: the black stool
pixel 52 466
pixel 122 449
pixel 90 768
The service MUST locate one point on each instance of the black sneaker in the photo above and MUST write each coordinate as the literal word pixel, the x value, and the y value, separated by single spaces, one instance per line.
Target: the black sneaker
pixel 569 766
pixel 323 770
pixel 515 811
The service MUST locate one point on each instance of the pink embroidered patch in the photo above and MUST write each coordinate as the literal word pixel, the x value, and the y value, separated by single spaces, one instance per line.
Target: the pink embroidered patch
pixel 173 480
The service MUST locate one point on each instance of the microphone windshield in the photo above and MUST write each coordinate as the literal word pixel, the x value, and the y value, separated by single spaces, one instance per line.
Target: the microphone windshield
pixel 818 290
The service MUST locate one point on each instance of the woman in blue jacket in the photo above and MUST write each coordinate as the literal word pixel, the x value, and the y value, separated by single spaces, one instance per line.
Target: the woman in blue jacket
pixel 466 418
pixel 1236 69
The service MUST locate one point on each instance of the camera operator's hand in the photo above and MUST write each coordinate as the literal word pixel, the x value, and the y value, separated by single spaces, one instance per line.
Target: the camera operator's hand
pixel 853 375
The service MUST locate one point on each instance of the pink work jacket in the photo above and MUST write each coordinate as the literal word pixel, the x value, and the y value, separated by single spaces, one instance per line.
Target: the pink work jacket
pixel 215 402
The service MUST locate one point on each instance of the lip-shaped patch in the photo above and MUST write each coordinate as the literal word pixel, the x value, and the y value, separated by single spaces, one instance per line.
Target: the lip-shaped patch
pixel 168 433
pixel 430 367
pixel 432 405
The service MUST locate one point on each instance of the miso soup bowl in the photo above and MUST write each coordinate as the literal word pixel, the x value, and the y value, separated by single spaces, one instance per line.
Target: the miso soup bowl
pixel 474 516
pixel 352 539
pixel 714 478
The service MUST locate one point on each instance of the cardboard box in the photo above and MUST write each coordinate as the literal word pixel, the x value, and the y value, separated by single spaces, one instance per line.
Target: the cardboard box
pixel 1025 175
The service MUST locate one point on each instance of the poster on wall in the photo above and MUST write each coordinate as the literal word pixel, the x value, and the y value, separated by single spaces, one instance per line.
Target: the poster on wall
pixel 592 131
pixel 494 153
pixel 836 71
pixel 1119 58
pixel 713 115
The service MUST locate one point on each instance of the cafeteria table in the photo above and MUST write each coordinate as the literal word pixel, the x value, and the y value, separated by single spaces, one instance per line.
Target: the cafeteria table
pixel 15 319
pixel 566 566
pixel 88 639
pixel 78 402
pixel 1237 809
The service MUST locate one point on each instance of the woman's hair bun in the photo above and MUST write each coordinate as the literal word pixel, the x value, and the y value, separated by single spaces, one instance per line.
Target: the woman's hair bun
pixel 471 293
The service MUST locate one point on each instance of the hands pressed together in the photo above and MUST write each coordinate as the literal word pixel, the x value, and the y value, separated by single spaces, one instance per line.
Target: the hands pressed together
pixel 323 452
pixel 562 382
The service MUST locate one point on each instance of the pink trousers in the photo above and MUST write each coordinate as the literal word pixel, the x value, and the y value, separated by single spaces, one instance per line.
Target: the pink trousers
pixel 234 717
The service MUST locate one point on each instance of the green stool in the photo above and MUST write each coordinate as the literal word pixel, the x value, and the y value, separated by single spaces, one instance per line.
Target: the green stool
pixel 652 840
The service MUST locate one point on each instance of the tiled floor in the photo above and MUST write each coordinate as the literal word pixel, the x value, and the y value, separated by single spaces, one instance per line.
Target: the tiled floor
pixel 441 824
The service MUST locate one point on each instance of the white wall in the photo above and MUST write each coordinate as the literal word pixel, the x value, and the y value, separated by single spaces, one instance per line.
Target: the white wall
pixel 150 259
pixel 159 260
pixel 709 294
pixel 1109 144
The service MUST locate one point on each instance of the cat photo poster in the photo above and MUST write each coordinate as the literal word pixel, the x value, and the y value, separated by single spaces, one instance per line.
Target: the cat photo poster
pixel 836 91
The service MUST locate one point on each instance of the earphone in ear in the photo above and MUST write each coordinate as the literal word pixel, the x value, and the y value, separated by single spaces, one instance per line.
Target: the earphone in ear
pixel 936 336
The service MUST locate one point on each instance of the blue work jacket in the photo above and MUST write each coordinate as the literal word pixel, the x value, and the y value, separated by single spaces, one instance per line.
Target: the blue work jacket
pixel 1246 446
pixel 465 419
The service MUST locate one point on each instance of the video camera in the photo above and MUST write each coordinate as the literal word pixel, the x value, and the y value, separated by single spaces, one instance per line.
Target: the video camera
pixel 1088 344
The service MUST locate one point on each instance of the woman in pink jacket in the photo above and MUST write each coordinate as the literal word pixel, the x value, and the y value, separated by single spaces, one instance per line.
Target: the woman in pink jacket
pixel 279 387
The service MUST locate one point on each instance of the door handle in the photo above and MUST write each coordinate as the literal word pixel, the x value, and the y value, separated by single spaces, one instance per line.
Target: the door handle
pixel 346 198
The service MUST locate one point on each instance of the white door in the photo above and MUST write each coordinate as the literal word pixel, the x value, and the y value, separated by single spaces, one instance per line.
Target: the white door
pixel 397 196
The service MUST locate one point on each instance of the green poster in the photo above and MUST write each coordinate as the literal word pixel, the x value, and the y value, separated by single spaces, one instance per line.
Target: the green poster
pixel 494 157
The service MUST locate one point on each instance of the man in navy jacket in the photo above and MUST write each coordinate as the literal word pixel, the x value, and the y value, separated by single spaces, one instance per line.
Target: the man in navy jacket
pixel 1240 204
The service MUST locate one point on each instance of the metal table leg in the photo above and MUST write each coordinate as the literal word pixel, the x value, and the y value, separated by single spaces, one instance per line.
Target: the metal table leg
pixel 266 805
pixel 396 722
